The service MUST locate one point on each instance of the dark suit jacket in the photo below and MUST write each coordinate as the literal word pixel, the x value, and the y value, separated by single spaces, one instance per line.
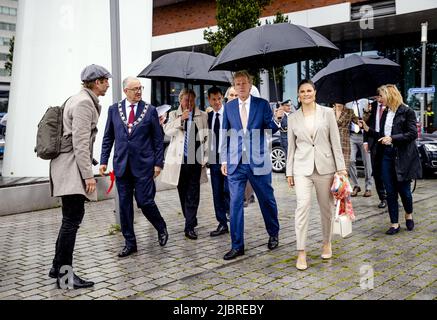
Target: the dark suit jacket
pixel 214 155
pixel 143 149
pixel 371 122
pixel 260 120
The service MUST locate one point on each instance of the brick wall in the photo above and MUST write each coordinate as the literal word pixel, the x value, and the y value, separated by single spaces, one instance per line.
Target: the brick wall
pixel 195 14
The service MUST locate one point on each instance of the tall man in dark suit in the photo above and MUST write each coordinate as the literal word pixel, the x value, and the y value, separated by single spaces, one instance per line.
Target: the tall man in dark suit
pixel 138 158
pixel 219 182
pixel 372 118
pixel 246 156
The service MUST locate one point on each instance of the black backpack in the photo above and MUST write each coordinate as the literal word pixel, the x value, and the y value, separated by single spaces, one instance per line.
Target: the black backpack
pixel 49 139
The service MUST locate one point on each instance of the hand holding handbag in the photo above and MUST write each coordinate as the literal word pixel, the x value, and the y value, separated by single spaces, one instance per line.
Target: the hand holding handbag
pixel 342 224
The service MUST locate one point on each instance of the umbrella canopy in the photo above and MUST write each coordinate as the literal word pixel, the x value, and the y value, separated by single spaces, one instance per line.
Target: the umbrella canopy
pixel 184 66
pixel 355 77
pixel 272 45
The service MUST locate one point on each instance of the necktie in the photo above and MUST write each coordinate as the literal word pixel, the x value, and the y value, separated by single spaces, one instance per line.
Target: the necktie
pixel 243 115
pixel 381 110
pixel 131 118
pixel 217 135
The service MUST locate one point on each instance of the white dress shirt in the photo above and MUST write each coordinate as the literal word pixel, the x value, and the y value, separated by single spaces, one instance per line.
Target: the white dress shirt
pixel 389 123
pixel 127 105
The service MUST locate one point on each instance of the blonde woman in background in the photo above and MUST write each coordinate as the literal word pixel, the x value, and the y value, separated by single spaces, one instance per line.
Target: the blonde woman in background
pixel 400 156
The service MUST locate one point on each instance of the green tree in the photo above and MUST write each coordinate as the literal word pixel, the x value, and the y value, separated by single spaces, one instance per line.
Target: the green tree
pixel 8 64
pixel 232 18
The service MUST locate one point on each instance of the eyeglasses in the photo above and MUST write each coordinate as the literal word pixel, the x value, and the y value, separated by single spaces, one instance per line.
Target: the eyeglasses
pixel 138 89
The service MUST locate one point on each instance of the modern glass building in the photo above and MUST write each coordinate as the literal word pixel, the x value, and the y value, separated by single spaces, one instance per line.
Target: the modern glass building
pixel 388 28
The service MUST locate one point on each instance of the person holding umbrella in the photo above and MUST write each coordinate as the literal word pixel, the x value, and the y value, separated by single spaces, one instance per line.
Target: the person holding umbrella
pixel 314 156
pixel 249 195
pixel 400 156
pixel 245 156
pixel 187 156
pixel 370 144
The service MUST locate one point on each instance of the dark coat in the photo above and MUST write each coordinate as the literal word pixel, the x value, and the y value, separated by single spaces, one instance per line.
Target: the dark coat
pixel 143 149
pixel 404 135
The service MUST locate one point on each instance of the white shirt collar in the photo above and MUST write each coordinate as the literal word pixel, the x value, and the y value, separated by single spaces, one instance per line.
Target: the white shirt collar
pixel 220 111
pixel 247 101
pixel 128 104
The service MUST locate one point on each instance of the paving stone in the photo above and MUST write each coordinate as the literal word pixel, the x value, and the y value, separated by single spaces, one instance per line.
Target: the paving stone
pixel 195 270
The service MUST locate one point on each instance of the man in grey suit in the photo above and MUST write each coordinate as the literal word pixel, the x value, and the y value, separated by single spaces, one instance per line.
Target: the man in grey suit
pixel 71 173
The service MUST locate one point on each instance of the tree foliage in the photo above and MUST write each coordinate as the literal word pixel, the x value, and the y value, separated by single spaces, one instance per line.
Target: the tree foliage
pixel 233 17
pixel 8 64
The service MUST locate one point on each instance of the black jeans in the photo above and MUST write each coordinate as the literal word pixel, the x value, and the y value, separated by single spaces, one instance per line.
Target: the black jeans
pixel 73 210
pixel 189 193
pixel 394 187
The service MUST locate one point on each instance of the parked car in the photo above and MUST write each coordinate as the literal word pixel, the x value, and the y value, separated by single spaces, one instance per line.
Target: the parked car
pixel 2 147
pixel 278 155
pixel 427 145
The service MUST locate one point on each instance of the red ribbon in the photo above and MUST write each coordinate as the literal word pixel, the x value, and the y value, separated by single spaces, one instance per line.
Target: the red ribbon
pixel 112 176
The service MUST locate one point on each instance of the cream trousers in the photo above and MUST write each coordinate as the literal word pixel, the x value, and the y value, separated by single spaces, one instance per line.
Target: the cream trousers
pixel 304 187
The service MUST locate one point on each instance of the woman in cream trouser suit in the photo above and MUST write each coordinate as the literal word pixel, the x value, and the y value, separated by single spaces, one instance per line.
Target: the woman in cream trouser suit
pixel 314 156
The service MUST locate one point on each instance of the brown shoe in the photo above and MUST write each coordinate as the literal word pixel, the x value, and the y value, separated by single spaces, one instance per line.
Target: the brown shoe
pixel 355 191
pixel 368 193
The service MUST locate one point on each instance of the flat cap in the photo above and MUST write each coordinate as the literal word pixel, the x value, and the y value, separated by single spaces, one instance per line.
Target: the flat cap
pixel 93 72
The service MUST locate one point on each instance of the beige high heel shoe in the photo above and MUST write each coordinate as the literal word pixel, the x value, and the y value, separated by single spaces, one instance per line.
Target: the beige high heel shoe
pixel 301 265
pixel 327 254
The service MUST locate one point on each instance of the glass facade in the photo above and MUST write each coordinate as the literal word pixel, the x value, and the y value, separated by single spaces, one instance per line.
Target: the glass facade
pixel 167 92
pixel 406 50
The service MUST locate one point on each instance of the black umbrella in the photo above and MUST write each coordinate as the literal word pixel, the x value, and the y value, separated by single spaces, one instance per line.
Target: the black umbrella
pixel 272 45
pixel 185 66
pixel 355 77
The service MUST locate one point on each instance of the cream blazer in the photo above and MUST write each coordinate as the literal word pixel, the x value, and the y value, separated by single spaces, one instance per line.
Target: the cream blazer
pixel 174 156
pixel 322 152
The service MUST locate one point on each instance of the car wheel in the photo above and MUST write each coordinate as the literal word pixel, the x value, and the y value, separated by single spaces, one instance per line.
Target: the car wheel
pixel 278 159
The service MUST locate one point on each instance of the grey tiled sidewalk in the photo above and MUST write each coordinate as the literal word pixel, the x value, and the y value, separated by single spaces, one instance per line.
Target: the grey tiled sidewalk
pixel 404 266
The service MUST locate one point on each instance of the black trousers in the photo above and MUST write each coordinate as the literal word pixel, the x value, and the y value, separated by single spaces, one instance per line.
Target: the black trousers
pixel 189 193
pixel 143 189
pixel 376 154
pixel 73 210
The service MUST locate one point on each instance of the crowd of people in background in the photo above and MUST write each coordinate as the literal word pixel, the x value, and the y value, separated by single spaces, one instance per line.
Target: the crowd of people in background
pixel 231 140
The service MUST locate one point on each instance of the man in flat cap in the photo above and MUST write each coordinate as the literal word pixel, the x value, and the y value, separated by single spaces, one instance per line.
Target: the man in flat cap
pixel 71 174
pixel 134 127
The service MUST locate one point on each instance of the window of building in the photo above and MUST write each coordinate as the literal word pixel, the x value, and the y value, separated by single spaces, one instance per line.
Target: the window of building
pixel 4 73
pixel 4 41
pixel 8 11
pixel 3 57
pixel 7 26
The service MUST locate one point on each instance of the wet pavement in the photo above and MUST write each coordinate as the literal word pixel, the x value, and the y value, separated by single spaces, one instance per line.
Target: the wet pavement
pixel 366 265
